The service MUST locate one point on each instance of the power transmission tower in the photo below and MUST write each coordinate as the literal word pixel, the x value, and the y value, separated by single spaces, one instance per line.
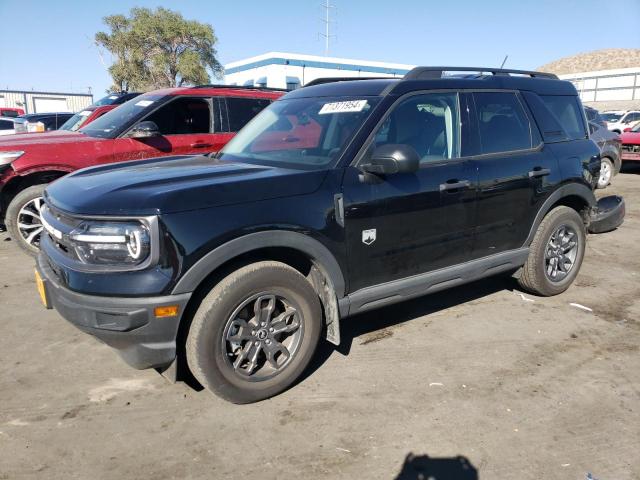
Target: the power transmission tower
pixel 327 25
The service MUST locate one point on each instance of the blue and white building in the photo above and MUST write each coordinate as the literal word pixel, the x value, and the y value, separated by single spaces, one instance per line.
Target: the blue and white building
pixel 292 70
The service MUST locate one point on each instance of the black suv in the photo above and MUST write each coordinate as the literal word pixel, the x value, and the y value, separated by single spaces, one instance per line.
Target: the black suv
pixel 339 198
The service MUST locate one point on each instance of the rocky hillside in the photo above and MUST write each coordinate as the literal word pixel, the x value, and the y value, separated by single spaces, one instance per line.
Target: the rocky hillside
pixel 596 60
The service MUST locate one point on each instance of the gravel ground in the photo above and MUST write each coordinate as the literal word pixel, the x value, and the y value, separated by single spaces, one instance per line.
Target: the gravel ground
pixel 523 387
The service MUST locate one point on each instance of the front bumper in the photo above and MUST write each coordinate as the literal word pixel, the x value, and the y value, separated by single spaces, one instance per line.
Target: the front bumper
pixel 608 214
pixel 127 324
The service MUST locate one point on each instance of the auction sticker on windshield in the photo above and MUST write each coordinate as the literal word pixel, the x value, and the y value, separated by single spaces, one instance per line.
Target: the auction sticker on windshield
pixel 343 107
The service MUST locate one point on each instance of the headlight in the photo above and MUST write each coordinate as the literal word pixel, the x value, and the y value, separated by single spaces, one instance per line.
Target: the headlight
pixel 111 243
pixel 8 157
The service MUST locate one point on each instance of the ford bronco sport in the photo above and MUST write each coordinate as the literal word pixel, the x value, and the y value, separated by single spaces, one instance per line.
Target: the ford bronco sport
pixel 165 122
pixel 338 198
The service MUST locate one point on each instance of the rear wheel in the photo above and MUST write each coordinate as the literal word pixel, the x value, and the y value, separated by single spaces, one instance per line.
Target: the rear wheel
pixel 606 172
pixel 556 253
pixel 255 332
pixel 23 219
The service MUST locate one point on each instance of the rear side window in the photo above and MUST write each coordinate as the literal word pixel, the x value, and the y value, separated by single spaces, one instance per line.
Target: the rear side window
pixel 567 112
pixel 503 123
pixel 241 110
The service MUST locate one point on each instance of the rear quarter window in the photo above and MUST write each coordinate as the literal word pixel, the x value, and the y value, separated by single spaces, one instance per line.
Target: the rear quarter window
pixel 567 111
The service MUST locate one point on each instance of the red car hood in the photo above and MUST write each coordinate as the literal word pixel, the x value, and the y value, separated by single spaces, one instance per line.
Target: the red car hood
pixel 630 138
pixel 17 142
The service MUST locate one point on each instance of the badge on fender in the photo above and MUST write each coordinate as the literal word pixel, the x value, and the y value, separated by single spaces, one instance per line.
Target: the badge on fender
pixel 369 236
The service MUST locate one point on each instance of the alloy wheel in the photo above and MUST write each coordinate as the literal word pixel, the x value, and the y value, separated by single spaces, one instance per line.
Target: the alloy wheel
pixel 30 222
pixel 560 253
pixel 262 336
pixel 605 175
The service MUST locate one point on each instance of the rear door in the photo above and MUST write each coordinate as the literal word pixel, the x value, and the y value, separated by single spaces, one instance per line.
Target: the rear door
pixel 410 223
pixel 187 125
pixel 516 172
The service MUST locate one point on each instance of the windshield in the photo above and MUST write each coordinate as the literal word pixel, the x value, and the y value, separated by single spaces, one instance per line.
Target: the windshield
pixel 75 122
pixel 611 117
pixel 114 122
pixel 303 132
pixel 108 100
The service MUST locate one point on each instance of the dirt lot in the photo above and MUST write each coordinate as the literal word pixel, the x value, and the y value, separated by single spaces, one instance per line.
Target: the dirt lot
pixel 523 387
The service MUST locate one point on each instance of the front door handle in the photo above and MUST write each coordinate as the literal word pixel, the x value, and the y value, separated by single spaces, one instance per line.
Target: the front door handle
pixel 539 172
pixel 200 145
pixel 454 185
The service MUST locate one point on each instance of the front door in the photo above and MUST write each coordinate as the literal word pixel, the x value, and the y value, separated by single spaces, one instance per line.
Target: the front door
pixel 187 126
pixel 410 223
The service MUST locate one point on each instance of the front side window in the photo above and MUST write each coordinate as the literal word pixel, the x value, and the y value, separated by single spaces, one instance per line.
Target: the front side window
pixel 183 116
pixel 242 110
pixel 502 121
pixel 429 123
pixel 631 117
pixel 568 113
pixel 6 125
pixel 306 133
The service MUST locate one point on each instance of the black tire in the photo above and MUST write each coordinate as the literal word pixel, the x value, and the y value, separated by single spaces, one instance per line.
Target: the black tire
pixel 209 352
pixel 607 165
pixel 13 216
pixel 534 277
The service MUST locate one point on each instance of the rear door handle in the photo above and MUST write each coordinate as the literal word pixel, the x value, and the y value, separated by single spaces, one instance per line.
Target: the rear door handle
pixel 539 172
pixel 200 145
pixel 454 185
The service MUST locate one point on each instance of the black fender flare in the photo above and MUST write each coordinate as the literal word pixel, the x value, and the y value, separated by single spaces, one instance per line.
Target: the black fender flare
pixel 569 190
pixel 320 255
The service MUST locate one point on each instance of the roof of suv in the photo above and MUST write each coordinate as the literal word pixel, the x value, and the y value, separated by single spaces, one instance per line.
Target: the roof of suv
pixel 223 91
pixel 429 78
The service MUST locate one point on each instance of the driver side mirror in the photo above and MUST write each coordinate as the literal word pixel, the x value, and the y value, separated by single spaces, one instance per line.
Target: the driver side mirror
pixel 392 158
pixel 628 129
pixel 145 129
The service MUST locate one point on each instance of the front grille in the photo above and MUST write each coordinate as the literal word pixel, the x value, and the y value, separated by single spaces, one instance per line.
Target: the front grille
pixel 60 225
pixel 631 148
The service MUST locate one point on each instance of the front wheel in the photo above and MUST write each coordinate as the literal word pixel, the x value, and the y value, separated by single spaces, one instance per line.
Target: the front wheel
pixel 606 172
pixel 23 219
pixel 255 332
pixel 556 253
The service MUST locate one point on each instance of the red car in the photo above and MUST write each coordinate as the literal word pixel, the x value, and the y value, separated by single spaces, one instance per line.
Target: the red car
pixel 630 150
pixel 11 112
pixel 85 117
pixel 175 121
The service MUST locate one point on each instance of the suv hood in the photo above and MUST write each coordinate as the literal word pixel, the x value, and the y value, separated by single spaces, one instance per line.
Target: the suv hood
pixel 174 184
pixel 17 142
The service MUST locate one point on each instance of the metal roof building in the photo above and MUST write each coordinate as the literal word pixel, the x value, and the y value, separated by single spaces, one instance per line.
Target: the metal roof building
pixel 292 70
pixel 45 102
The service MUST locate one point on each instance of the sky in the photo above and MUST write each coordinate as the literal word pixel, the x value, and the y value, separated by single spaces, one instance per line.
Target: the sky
pixel 48 45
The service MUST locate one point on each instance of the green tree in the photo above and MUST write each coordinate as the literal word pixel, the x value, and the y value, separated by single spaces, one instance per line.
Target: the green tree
pixel 158 48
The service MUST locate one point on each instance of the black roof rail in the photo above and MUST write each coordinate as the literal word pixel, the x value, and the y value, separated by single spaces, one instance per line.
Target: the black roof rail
pixel 320 81
pixel 426 73
pixel 248 87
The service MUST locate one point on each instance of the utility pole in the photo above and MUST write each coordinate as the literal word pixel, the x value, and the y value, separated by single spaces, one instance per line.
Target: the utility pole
pixel 327 24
